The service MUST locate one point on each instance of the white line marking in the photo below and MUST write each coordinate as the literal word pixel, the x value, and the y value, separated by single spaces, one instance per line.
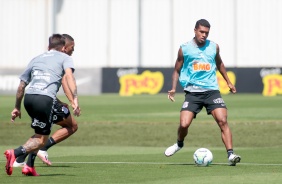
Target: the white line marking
pixel 163 163
pixel 160 163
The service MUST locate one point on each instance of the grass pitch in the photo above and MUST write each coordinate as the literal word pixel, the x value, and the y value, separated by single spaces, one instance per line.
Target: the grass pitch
pixel 122 140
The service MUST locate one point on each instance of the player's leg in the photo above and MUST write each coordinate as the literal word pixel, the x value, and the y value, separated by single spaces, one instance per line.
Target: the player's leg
pixel 37 111
pixel 33 144
pixel 69 127
pixel 216 107
pixel 40 140
pixel 186 118
pixel 220 116
pixel 62 117
pixel 188 113
pixel 41 114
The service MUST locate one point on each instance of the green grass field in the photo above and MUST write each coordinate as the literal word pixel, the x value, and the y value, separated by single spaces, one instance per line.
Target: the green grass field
pixel 122 140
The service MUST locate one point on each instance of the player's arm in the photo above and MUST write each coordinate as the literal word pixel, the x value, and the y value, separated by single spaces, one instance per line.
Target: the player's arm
pixel 221 68
pixel 71 85
pixel 175 74
pixel 67 89
pixel 19 96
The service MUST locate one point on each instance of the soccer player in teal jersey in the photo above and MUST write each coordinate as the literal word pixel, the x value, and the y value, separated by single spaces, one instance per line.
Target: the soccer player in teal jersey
pixel 195 68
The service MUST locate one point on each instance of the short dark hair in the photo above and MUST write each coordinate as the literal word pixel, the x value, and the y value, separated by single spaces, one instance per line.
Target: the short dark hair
pixel 202 22
pixel 56 41
pixel 67 36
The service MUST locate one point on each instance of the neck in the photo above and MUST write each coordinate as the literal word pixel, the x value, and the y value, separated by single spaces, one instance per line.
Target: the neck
pixel 198 44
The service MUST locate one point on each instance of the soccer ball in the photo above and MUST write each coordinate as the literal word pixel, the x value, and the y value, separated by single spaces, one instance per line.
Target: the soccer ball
pixel 203 157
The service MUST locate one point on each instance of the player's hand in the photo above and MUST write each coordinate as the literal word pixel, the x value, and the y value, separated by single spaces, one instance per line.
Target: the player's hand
pixel 170 95
pixel 15 113
pixel 77 111
pixel 76 108
pixel 232 88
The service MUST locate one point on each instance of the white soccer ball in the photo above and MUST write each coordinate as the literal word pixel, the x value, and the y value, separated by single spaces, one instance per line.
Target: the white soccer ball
pixel 203 157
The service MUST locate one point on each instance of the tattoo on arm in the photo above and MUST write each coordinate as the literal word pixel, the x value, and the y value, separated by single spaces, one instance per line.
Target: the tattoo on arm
pixel 74 90
pixel 20 94
pixel 71 83
pixel 73 87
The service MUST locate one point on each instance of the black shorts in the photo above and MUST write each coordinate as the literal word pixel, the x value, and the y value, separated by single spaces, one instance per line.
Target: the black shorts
pixel 40 109
pixel 60 112
pixel 195 101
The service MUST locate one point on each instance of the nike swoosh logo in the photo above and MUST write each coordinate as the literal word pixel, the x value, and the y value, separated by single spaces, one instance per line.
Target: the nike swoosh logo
pixel 83 80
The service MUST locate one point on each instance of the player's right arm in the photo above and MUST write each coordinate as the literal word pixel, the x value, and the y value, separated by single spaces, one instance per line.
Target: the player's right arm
pixel 71 86
pixel 67 89
pixel 19 96
pixel 175 74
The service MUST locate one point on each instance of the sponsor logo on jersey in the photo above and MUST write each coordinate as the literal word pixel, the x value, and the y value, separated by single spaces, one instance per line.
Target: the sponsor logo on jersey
pixel 198 66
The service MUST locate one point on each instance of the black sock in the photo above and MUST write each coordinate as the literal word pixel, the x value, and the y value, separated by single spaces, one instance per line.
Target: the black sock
pixel 229 152
pixel 180 143
pixel 48 144
pixel 20 159
pixel 31 159
pixel 19 151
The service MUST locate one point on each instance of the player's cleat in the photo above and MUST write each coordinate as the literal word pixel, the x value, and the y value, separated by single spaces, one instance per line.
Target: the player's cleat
pixel 233 159
pixel 18 164
pixel 29 171
pixel 43 155
pixel 171 150
pixel 10 156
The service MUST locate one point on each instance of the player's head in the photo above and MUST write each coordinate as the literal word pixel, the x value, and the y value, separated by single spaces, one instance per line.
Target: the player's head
pixel 202 29
pixel 202 22
pixel 69 46
pixel 56 42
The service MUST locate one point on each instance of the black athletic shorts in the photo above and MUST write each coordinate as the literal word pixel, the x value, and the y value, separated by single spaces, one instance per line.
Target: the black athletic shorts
pixel 40 109
pixel 60 112
pixel 195 101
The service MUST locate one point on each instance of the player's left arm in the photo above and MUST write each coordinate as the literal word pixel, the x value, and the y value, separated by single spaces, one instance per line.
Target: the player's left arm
pixel 221 68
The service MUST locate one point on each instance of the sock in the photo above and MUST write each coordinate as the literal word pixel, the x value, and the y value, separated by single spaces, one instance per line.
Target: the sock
pixel 20 159
pixel 180 143
pixel 229 152
pixel 31 159
pixel 19 151
pixel 48 144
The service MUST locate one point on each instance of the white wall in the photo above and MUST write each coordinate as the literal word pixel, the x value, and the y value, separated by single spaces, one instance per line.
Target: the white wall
pixel 24 25
pixel 107 31
pixel 259 28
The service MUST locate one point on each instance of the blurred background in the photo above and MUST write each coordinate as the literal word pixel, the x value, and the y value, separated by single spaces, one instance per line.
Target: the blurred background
pixel 124 38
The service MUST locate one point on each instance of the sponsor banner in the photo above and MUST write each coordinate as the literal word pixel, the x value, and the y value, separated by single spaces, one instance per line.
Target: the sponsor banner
pixel 88 81
pixel 134 81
